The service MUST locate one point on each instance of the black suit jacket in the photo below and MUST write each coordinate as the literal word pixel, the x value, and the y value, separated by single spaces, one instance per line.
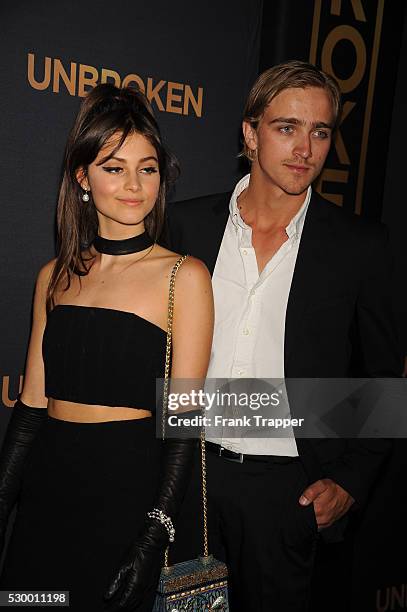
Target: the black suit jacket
pixel 339 320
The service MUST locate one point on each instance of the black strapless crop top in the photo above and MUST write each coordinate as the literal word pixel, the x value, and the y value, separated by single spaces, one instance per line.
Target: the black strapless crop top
pixel 102 356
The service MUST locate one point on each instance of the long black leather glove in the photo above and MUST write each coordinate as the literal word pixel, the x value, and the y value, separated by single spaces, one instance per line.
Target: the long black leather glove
pixel 21 431
pixel 142 568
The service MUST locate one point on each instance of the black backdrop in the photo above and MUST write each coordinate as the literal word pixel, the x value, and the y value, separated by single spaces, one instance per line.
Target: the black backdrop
pixel 198 63
pixel 210 49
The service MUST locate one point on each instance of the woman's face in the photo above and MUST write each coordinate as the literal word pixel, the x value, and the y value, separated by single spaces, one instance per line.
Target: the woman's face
pixel 124 187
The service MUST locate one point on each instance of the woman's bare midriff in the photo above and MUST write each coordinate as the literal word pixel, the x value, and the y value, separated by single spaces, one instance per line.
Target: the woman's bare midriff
pixel 89 413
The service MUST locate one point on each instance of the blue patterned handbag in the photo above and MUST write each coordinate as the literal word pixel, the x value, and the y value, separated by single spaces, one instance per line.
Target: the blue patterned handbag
pixel 193 586
pixel 200 584
pixel 197 585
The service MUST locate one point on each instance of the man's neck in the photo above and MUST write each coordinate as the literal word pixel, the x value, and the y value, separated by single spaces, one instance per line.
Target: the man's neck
pixel 264 205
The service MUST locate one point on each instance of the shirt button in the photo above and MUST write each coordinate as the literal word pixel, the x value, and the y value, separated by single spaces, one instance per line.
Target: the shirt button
pixel 240 372
pixel 244 252
pixel 246 331
pixel 252 293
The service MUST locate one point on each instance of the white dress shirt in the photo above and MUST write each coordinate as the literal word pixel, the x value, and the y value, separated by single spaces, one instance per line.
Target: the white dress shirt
pixel 250 310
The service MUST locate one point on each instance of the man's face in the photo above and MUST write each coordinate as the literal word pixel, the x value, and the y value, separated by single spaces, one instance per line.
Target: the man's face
pixel 292 138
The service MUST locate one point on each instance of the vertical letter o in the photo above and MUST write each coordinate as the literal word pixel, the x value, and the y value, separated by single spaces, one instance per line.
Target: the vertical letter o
pixel 345 32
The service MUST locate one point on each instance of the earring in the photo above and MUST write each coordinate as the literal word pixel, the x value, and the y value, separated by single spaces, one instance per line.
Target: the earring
pixel 253 154
pixel 85 196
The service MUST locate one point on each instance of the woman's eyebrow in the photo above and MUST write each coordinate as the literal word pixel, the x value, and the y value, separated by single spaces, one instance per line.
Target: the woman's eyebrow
pixel 123 161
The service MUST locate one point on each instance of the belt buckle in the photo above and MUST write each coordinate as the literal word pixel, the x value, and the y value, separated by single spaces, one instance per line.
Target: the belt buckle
pixel 237 459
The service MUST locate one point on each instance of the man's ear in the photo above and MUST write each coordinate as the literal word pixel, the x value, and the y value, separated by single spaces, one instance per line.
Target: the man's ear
pixel 250 136
pixel 82 179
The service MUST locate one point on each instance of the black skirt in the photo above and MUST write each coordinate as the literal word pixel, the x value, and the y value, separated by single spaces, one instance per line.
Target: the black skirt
pixel 86 490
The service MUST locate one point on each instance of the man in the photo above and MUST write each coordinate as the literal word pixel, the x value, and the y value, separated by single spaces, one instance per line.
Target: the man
pixel 300 291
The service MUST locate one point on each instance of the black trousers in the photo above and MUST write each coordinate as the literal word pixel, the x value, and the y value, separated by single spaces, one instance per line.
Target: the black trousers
pixel 258 528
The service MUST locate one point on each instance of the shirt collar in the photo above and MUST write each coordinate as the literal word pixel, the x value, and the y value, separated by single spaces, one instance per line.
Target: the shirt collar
pixel 233 208
pixel 293 228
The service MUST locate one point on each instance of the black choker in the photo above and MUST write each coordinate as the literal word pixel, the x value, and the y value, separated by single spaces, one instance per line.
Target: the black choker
pixel 123 247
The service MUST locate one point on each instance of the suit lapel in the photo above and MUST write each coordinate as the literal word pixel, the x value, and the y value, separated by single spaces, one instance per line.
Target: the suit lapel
pixel 311 268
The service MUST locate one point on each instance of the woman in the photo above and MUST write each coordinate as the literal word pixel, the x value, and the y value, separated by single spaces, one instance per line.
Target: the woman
pixel 88 473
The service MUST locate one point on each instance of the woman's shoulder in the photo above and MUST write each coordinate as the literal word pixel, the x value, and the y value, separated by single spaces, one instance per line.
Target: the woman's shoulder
pixel 42 283
pixel 190 267
pixel 45 273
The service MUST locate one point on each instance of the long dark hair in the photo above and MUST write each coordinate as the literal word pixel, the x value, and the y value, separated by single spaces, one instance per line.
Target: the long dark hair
pixel 106 110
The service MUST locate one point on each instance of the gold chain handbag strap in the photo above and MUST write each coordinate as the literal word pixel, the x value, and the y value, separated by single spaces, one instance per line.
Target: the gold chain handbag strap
pixel 204 496
pixel 165 403
pixel 170 318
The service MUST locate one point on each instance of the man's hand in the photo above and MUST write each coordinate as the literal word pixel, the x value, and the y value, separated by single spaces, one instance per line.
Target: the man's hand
pixel 330 501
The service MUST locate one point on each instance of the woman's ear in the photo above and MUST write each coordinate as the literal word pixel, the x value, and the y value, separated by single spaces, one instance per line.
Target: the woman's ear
pixel 82 179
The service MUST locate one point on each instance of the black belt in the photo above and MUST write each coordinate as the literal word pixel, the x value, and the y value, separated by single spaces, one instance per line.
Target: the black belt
pixel 240 457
